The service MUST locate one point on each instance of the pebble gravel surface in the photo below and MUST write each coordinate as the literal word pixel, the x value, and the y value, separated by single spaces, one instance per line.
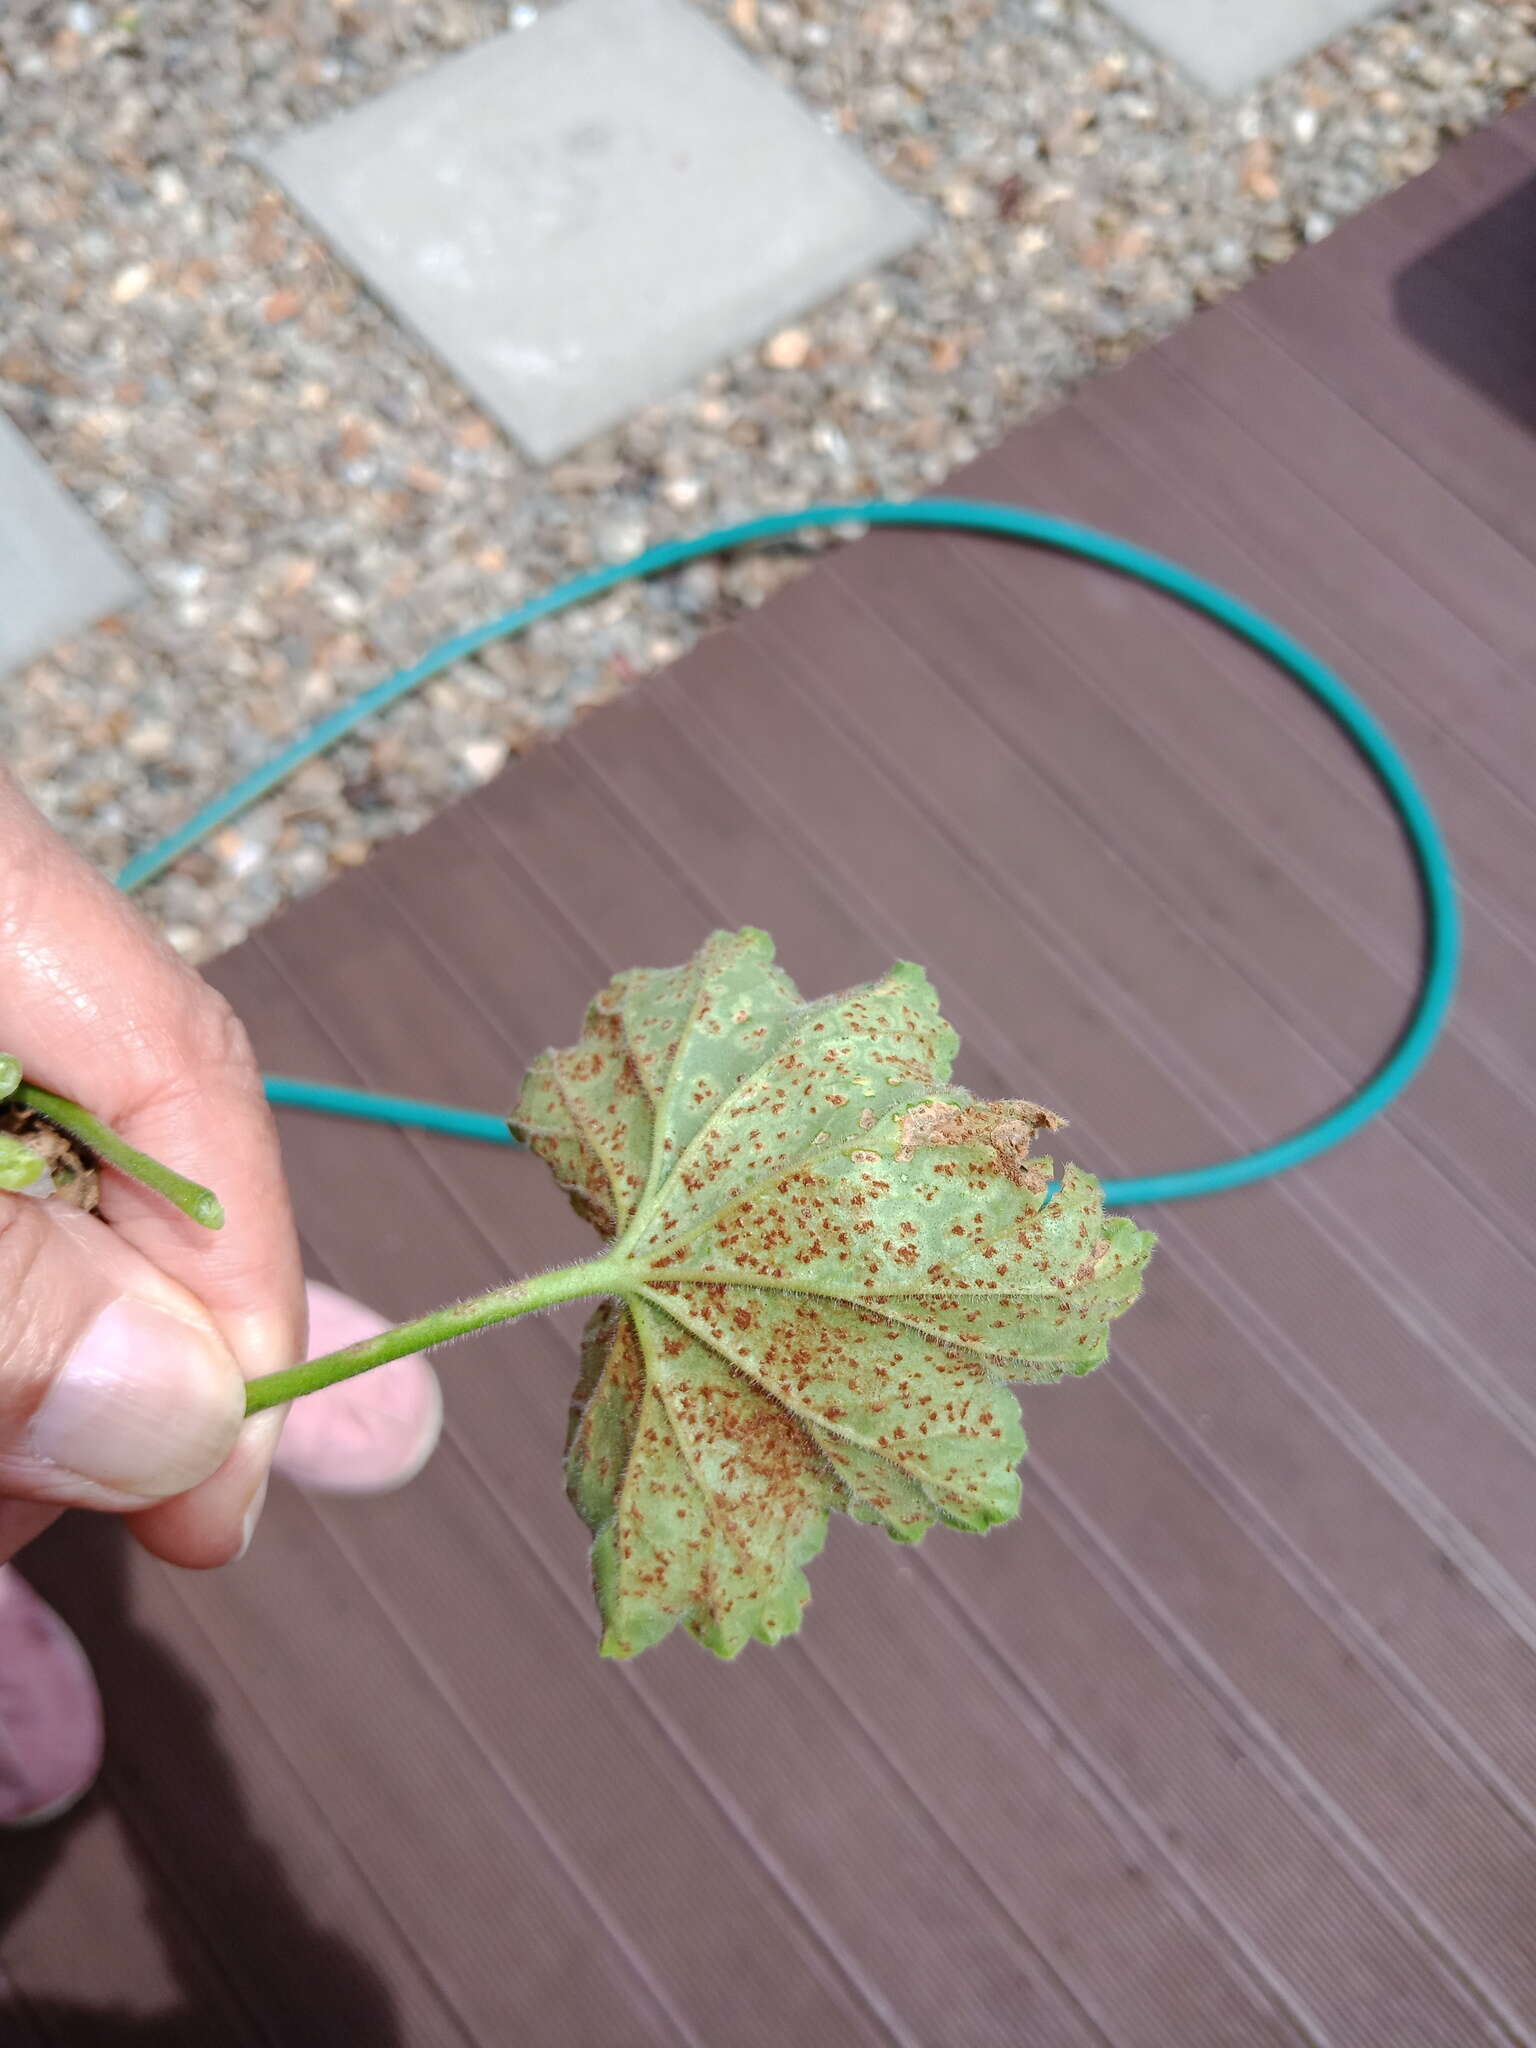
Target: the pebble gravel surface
pixel 312 501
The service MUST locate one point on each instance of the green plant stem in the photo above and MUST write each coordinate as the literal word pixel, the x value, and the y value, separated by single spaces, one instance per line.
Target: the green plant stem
pixel 201 1204
pixel 524 1297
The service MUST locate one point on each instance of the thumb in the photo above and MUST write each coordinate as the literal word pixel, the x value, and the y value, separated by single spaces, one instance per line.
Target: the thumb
pixel 115 1387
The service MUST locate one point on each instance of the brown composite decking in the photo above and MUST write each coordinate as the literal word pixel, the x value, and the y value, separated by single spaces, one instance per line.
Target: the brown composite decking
pixel 1232 1739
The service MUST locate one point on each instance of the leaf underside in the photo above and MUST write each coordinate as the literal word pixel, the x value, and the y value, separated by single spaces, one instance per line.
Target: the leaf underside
pixel 837 1261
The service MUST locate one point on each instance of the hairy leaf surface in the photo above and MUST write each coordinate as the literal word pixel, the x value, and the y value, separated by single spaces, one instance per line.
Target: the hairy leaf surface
pixel 833 1263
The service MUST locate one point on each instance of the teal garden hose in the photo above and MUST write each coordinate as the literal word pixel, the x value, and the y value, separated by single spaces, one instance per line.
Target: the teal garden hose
pixel 1437 987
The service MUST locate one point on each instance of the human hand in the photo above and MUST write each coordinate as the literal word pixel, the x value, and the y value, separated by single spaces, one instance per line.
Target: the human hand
pixel 125 1337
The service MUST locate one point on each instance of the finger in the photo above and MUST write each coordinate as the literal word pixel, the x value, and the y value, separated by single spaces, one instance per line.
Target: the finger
pixel 116 1388
pixel 99 1009
pixel 214 1523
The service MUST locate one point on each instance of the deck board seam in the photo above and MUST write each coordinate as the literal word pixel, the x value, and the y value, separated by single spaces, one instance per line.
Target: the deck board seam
pixel 429 1156
pixel 1241 309
pixel 1121 436
pixel 1331 903
pixel 1325 1596
pixel 1314 1035
pixel 1095 1775
pixel 1358 1437
pixel 618 796
pixel 1237 313
pixel 1112 1814
pixel 604 1916
pixel 1407 716
pixel 888 1761
pixel 1380 542
pixel 1442 1528
pixel 425 1972
pixel 1253 313
pixel 1183 1652
pixel 1110 1810
pixel 171 1893
pixel 1514 1414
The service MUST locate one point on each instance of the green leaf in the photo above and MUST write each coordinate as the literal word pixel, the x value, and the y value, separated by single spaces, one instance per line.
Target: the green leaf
pixel 833 1261
pixel 20 1166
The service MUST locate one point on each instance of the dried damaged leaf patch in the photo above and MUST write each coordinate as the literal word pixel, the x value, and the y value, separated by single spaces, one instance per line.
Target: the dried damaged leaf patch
pixel 833 1261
